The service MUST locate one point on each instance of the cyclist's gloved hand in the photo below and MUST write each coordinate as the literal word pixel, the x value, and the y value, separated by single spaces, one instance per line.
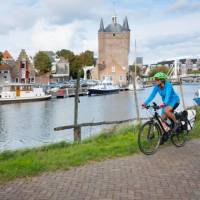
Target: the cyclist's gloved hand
pixel 144 105
pixel 162 105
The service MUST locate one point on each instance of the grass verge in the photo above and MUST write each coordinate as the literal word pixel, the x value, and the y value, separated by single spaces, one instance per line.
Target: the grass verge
pixel 62 156
pixel 116 142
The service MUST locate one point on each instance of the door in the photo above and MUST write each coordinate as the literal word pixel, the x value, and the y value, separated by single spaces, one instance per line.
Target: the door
pixel 17 91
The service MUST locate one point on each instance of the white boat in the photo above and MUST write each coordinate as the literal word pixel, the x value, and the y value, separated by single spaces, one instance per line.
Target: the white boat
pixel 138 84
pixel 15 93
pixel 104 87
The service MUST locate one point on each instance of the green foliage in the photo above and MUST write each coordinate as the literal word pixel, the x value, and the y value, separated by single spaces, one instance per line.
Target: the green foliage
pixel 1 57
pixel 138 69
pixel 42 62
pixel 67 54
pixel 158 69
pixel 87 58
pixel 193 71
pixel 110 144
pixel 77 62
pixel 75 66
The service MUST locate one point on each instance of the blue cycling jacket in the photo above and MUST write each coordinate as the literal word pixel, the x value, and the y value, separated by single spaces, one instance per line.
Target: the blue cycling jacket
pixel 167 93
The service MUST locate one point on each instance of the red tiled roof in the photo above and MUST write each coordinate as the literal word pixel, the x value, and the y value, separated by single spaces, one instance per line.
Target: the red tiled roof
pixel 7 55
pixel 4 67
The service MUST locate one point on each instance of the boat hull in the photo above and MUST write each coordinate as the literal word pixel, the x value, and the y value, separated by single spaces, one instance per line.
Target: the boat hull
pixel 24 100
pixel 197 100
pixel 101 92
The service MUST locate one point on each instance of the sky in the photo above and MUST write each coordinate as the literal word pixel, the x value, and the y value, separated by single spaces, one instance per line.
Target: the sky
pixel 162 29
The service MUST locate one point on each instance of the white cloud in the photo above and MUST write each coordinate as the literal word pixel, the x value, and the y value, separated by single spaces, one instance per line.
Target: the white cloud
pixel 43 36
pixel 179 4
pixel 164 39
pixel 182 6
pixel 56 24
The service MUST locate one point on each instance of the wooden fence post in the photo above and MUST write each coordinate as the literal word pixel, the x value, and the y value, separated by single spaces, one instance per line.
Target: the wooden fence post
pixel 135 96
pixel 134 87
pixel 181 90
pixel 77 130
pixel 77 133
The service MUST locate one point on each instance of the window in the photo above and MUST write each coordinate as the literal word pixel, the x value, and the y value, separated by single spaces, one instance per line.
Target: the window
pixel 5 72
pixel 113 34
pixel 121 77
pixel 17 80
pixel 113 69
pixel 23 65
pixel 5 77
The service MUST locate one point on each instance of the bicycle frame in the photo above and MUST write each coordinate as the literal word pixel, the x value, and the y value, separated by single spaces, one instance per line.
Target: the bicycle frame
pixel 158 119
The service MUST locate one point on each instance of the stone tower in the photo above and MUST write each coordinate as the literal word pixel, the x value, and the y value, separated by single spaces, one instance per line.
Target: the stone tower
pixel 113 51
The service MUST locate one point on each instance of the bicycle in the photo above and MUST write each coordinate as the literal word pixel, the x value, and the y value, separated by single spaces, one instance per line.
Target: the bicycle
pixel 156 131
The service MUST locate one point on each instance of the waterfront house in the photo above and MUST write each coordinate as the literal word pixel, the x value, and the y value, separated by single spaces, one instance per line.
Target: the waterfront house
pixel 6 67
pixel 5 76
pixel 23 71
pixel 61 72
pixel 8 59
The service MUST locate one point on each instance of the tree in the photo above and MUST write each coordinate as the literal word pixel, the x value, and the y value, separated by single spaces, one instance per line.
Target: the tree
pixel 87 58
pixel 75 66
pixel 138 69
pixel 76 62
pixel 42 62
pixel 158 69
pixel 67 54
pixel 1 57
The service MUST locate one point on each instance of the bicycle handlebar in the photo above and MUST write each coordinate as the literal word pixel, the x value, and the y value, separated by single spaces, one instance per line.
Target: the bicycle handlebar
pixel 154 106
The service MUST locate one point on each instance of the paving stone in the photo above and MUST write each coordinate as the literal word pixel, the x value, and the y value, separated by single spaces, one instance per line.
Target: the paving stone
pixel 172 173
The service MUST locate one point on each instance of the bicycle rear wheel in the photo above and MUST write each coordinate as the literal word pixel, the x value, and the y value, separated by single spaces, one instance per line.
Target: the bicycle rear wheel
pixel 149 137
pixel 179 139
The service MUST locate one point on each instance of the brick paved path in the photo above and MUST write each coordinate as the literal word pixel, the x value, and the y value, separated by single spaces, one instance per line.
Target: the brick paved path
pixel 172 173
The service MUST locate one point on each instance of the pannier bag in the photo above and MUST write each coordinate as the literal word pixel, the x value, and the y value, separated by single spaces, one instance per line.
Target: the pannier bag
pixel 191 118
pixel 187 118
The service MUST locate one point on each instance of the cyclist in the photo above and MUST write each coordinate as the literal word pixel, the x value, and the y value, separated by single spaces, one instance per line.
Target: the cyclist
pixel 169 97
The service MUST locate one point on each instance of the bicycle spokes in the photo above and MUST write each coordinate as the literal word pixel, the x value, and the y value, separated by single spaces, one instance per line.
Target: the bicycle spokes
pixel 149 138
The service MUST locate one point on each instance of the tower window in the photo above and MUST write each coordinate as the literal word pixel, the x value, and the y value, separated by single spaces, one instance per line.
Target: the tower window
pixel 113 34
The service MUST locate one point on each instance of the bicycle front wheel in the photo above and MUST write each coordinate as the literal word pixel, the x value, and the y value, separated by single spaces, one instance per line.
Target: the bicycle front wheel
pixel 149 137
pixel 179 139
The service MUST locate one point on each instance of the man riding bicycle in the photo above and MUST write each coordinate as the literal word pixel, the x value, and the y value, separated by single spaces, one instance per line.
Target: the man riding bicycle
pixel 169 97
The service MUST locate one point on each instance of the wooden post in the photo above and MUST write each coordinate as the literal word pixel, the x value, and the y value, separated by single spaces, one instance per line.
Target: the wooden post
pixel 134 89
pixel 181 90
pixel 77 134
pixel 77 130
pixel 135 97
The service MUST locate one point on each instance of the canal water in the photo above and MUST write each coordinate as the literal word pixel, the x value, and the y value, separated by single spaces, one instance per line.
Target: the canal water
pixel 26 125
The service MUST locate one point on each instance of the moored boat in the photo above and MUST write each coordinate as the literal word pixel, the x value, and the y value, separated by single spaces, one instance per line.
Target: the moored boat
pixel 197 97
pixel 105 87
pixel 17 93
pixel 137 87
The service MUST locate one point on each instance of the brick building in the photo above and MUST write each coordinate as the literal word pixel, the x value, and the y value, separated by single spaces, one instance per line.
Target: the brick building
pixel 6 67
pixel 23 72
pixel 113 51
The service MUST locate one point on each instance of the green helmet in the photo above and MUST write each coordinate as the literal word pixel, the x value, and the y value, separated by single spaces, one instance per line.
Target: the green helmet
pixel 160 75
